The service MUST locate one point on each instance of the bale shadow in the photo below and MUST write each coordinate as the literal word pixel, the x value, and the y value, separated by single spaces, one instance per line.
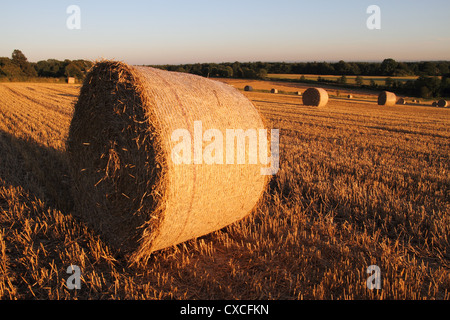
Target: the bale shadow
pixel 68 95
pixel 41 171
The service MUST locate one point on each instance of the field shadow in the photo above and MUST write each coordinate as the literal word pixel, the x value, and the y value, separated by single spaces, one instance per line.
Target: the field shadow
pixel 396 130
pixel 39 170
pixel 355 100
pixel 68 95
pixel 299 105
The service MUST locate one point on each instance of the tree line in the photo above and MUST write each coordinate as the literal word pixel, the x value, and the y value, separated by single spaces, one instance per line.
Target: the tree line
pixel 388 68
pixel 18 68
pixel 433 76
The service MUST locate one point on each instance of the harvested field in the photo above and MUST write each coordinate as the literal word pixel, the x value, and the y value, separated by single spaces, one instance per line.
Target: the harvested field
pixel 359 185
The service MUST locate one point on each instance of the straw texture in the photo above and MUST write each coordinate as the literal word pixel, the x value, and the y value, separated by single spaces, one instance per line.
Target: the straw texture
pixel 315 97
pixel 387 98
pixel 125 183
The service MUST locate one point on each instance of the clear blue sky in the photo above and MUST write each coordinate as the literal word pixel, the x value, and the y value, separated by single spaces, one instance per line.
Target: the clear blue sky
pixel 174 31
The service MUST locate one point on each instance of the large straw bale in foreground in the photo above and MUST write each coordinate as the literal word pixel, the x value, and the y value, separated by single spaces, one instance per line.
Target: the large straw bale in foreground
pixel 387 98
pixel 315 97
pixel 125 183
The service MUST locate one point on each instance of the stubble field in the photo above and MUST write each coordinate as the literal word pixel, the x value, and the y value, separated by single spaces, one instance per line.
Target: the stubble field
pixel 358 185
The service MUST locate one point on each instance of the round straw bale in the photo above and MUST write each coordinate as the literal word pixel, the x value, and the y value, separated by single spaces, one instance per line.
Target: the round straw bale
pixel 299 93
pixel 387 98
pixel 274 90
pixel 434 104
pixel 401 101
pixel 315 97
pixel 350 96
pixel 126 184
pixel 248 88
pixel 442 103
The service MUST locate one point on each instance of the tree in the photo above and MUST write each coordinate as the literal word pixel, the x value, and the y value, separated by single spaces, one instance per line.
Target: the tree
pixel 196 69
pixel 284 68
pixel 222 71
pixel 445 85
pixel 402 70
pixel 342 80
pixel 427 87
pixel 343 67
pixel 206 70
pixel 359 80
pixel 237 70
pixel 354 69
pixel 9 69
pixel 19 59
pixel 388 67
pixel 262 73
pixel 429 68
pixel 325 68
pixel 388 82
pixel 249 73
pixel 228 72
pixel 72 70
pixel 425 92
pixel 443 67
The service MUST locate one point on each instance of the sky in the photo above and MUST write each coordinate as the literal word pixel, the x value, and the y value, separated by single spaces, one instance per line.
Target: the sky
pixel 203 31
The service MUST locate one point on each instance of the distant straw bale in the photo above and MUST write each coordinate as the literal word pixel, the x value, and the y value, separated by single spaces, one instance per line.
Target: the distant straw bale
pixel 442 103
pixel 387 98
pixel 315 97
pixel 401 101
